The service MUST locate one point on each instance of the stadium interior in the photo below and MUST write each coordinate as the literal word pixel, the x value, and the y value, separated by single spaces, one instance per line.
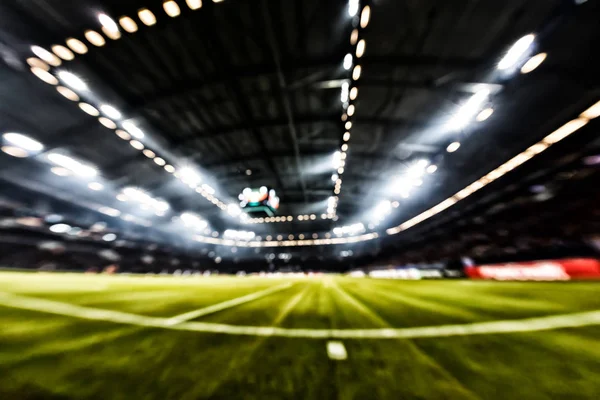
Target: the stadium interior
pixel 285 179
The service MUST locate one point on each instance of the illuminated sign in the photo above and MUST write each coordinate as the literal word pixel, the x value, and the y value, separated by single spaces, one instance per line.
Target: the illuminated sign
pixel 262 201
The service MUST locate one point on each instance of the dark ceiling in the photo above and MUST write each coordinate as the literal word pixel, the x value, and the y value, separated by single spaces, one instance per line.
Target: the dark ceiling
pixel 248 92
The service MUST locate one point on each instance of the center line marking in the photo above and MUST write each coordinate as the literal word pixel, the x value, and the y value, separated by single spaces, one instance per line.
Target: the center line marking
pixel 336 350
pixel 226 304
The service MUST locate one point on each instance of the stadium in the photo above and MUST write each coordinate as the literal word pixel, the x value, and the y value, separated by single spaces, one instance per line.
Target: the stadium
pixel 303 199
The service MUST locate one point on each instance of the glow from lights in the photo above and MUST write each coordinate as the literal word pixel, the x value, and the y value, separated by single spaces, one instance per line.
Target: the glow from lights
pixel 360 48
pixel 63 52
pixel 431 169
pixel 239 235
pixel 109 237
pixel 45 76
pixel 135 194
pixel 147 17
pixel 365 16
pixel 344 92
pixel 89 109
pixel 159 161
pixel 233 210
pixel 348 125
pixel 111 112
pixel 348 62
pixel 15 151
pixel 452 147
pixel 67 93
pixel 346 136
pixel 466 113
pixel 149 153
pixel 337 158
pixel 334 177
pixel 72 80
pixel 356 72
pixel 95 186
pixel 24 142
pixel 60 228
pixel 133 129
pixel 60 171
pixel 516 52
pixel 484 114
pixel 111 212
pixel 353 93
pixel 351 110
pixel 189 176
pixel 194 221
pixel 533 63
pixel 108 23
pixel 353 7
pixel 95 38
pixel 169 168
pixel 72 165
pixel 107 123
pixel 46 56
pixel 128 24
pixel 77 46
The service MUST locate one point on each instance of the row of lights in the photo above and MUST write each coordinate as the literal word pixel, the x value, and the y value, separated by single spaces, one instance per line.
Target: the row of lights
pixel 107 114
pixel 290 218
pixel 348 96
pixel 555 137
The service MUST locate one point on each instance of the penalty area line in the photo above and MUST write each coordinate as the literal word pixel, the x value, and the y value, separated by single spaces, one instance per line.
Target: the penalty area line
pixel 226 304
pixel 547 323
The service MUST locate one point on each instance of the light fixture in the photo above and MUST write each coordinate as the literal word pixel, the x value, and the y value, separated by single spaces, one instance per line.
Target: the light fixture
pixel 89 109
pixel 111 212
pixel 344 92
pixel 15 151
pixel 147 17
pixel 484 114
pixel 452 147
pixel 350 110
pixel 194 4
pixel 346 136
pixel 77 46
pixel 533 63
pixel 469 109
pixel 353 93
pixel 111 112
pixel 169 168
pixel 72 165
pixel 60 228
pixel 516 52
pixel 360 48
pixel 128 24
pixel 171 8
pixel 123 134
pixel 354 37
pixel 334 177
pixel 133 129
pixel 35 62
pixel 348 62
pixel 431 169
pixel 45 76
pixel 95 186
pixel 60 171
pixel 73 81
pixel 46 56
pixel 348 125
pixel 592 112
pixel 365 16
pixel 356 73
pixel 340 171
pixel 353 7
pixel 159 161
pixel 189 176
pixel 344 117
pixel 22 141
pixel 344 147
pixel 114 35
pixel 149 153
pixel 108 23
pixel 136 145
pixel 63 52
pixel 109 123
pixel 68 93
pixel 109 237
pixel 95 38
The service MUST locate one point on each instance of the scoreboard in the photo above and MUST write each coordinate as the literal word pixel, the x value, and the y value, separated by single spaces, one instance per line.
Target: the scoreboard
pixel 259 202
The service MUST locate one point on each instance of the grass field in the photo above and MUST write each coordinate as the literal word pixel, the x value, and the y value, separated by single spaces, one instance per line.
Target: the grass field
pixel 67 336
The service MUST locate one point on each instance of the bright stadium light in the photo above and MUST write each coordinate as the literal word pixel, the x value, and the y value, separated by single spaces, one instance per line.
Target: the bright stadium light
pixel 353 7
pixel 22 141
pixel 516 52
pixel 73 81
pixel 110 111
pixel 469 109
pixel 133 129
pixel 348 62
pixel 77 167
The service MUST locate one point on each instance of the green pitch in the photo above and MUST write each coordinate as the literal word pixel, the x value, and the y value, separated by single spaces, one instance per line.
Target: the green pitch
pixel 56 342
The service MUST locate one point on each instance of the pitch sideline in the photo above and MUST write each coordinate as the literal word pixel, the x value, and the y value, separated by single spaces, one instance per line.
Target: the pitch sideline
pixel 574 320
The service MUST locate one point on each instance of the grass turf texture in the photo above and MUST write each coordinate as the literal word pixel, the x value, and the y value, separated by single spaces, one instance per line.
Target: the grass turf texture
pixel 45 356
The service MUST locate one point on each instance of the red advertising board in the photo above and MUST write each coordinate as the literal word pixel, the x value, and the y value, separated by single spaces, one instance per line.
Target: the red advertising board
pixel 544 270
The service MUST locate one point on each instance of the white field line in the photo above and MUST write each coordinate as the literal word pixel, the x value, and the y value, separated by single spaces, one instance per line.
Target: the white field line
pixel 574 320
pixel 226 304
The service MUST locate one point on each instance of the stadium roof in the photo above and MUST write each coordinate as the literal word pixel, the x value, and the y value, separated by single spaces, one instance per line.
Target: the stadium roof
pixel 353 111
